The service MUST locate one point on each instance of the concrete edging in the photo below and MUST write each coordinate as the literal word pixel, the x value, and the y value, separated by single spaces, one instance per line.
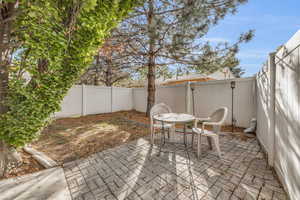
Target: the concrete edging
pixel 42 158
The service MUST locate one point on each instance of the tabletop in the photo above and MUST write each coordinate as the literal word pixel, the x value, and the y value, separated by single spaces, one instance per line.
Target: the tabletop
pixel 174 117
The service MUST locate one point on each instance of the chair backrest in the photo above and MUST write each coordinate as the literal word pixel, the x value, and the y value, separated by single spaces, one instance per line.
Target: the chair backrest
pixel 219 115
pixel 159 109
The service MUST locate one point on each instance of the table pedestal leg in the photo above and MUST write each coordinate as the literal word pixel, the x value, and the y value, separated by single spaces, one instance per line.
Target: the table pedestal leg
pixel 184 135
pixel 162 135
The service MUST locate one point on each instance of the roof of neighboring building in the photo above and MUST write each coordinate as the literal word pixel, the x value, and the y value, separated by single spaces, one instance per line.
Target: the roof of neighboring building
pixel 179 81
pixel 196 77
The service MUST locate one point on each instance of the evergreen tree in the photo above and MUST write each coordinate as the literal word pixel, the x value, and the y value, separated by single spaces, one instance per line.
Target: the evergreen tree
pixel 169 32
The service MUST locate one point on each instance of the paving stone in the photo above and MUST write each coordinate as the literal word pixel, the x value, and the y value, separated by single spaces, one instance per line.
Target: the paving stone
pixel 224 195
pixel 265 194
pixel 136 171
pixel 279 196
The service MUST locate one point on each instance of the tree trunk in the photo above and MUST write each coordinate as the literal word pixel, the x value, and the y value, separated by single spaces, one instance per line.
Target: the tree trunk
pixel 109 74
pixel 151 59
pixel 9 157
pixel 151 84
pixel 3 87
pixel 3 109
pixel 96 78
pixel 7 11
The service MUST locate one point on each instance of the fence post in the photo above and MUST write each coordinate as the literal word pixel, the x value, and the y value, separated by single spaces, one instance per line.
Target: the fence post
pixel 83 100
pixel 188 98
pixel 111 99
pixel 272 66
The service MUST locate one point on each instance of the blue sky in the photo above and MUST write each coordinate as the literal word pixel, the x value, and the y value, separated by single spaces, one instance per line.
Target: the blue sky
pixel 274 21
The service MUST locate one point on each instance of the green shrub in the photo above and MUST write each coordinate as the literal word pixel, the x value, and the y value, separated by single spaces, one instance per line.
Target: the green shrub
pixel 57 41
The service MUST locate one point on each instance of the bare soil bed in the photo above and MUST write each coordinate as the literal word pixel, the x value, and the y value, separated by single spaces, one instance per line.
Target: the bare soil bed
pixel 72 138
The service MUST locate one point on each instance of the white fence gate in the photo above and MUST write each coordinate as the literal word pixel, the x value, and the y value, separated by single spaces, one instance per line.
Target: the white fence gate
pixel 278 113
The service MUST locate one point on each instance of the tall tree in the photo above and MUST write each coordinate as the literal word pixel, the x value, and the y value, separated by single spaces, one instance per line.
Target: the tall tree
pixel 169 32
pixel 237 71
pixel 8 44
pixel 111 65
pixel 219 56
pixel 44 46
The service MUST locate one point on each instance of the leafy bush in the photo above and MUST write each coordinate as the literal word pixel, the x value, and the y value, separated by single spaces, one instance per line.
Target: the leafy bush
pixel 56 42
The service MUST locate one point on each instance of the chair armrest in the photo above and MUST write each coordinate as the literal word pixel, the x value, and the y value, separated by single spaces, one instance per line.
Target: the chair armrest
pixel 202 120
pixel 211 123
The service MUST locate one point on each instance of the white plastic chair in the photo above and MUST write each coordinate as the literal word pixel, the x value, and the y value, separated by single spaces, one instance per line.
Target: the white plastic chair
pixel 216 119
pixel 160 109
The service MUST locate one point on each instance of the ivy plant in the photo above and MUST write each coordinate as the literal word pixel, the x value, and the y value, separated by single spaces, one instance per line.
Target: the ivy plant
pixel 56 41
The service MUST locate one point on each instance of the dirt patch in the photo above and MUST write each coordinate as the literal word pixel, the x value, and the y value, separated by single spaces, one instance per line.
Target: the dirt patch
pixel 72 138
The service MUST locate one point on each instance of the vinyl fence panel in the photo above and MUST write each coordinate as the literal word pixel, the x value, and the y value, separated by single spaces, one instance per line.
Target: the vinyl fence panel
pixel 140 99
pixel 97 100
pixel 263 107
pixel 88 99
pixel 278 113
pixel 208 97
pixel 72 103
pixel 121 99
pixel 287 120
pixel 174 96
pixel 214 94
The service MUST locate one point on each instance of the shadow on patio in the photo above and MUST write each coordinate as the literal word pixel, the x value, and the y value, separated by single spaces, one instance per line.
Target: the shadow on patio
pixel 135 171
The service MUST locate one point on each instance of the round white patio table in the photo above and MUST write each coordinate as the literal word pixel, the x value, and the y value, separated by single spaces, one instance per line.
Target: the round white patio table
pixel 175 118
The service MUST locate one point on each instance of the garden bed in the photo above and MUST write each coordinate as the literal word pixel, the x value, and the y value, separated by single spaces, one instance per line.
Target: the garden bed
pixel 69 139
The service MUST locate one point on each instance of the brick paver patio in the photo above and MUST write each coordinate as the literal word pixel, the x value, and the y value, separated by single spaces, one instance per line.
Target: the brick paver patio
pixel 135 171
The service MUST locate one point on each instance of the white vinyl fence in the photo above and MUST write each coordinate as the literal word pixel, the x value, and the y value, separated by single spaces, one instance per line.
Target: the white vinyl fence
pixel 208 96
pixel 86 100
pixel 213 94
pixel 174 96
pixel 278 113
